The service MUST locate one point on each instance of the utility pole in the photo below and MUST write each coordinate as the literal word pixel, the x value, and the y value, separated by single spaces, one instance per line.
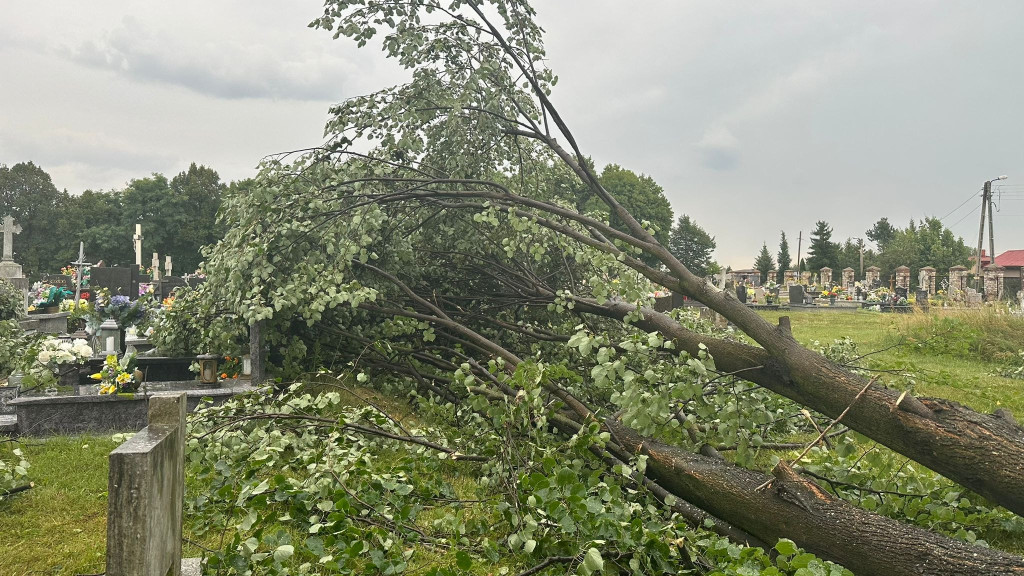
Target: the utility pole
pixel 986 204
pixel 799 240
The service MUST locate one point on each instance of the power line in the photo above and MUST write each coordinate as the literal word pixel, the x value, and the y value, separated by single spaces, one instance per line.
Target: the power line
pixel 971 213
pixel 969 198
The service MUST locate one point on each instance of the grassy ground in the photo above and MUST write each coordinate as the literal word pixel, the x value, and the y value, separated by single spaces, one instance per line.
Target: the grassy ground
pixel 59 527
pixel 957 375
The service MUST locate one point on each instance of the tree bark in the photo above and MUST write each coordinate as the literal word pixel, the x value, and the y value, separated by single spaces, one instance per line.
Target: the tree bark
pixel 796 508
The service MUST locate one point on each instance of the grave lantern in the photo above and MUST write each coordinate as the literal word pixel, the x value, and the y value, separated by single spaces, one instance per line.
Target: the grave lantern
pixel 109 336
pixel 208 368
pixel 247 366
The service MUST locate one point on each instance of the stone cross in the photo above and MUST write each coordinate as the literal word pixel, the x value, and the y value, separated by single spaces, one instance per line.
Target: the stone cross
pixel 167 266
pixel 137 238
pixel 155 274
pixel 9 229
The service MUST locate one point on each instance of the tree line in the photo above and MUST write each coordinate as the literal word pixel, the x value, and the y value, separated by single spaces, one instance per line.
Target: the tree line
pixel 921 243
pixel 178 217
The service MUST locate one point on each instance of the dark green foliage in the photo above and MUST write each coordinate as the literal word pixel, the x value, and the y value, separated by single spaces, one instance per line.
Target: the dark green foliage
pixel 28 195
pixel 764 263
pixel 783 258
pixel 823 251
pixel 12 301
pixel 692 245
pixel 881 233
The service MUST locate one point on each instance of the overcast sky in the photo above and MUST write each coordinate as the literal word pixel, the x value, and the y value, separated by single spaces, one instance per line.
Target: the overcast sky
pixel 754 117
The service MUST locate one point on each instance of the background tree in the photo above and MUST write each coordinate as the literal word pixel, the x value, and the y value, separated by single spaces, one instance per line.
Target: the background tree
pixel 822 252
pixel 783 258
pixel 639 194
pixel 28 195
pixel 764 263
pixel 881 233
pixel 692 245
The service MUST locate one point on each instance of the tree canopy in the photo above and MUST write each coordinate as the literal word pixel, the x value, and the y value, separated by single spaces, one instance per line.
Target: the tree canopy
pixel 764 263
pixel 823 251
pixel 783 259
pixel 692 246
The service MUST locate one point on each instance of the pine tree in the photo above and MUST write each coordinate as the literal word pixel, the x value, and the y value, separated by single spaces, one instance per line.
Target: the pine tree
pixel 783 259
pixel 823 251
pixel 764 262
pixel 691 245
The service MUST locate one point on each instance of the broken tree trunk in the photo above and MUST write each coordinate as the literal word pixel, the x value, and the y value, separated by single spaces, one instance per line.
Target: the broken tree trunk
pixel 983 452
pixel 795 508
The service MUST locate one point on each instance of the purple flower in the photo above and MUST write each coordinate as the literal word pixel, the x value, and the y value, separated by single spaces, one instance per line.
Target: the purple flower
pixel 120 301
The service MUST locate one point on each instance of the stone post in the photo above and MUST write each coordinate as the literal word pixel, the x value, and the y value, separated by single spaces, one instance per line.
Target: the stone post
pixel 903 278
pixel 957 282
pixel 928 275
pixel 791 277
pixel 805 277
pixel 773 275
pixel 826 276
pixel 848 279
pixel 871 277
pixel 994 282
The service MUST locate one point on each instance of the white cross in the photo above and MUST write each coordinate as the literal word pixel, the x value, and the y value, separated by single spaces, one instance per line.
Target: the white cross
pixel 138 245
pixel 9 230
pixel 80 264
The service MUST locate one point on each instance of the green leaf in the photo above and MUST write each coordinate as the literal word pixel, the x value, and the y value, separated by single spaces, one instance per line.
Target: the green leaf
pixel 463 560
pixel 284 552
pixel 593 562
pixel 786 546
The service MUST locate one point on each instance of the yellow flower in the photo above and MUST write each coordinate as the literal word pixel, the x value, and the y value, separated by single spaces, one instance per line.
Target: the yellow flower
pixel 96 376
pixel 123 378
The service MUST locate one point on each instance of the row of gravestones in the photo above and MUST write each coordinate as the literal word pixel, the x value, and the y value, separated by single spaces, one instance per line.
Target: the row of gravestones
pixel 123 282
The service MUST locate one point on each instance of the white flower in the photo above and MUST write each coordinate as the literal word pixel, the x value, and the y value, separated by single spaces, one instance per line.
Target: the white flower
pixel 44 357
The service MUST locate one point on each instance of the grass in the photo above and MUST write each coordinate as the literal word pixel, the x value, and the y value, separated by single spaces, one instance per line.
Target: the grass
pixel 59 526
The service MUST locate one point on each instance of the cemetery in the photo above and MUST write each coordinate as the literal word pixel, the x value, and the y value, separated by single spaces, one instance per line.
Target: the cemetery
pixel 445 343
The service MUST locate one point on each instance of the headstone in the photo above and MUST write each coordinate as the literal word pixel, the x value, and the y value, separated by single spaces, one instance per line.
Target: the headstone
pixel 137 239
pixel 9 269
pixel 805 277
pixel 168 284
pixel 155 272
pixel 792 277
pixel 741 292
pixel 922 299
pixel 900 292
pixel 848 278
pixel 759 295
pixel 872 277
pixel 796 294
pixel 146 488
pixel 167 266
pixel 115 279
pixel 973 297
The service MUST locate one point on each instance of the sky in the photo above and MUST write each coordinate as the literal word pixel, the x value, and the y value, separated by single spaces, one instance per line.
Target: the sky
pixel 756 118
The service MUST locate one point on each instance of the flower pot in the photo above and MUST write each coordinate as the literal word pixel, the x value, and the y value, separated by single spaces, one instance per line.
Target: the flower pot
pixel 67 374
pixel 831 299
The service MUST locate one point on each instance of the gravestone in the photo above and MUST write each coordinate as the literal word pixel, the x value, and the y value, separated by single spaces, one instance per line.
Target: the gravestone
pixel 872 277
pixel 759 295
pixel 791 277
pixel 137 239
pixel 805 277
pixel 796 294
pixel 922 299
pixel 168 284
pixel 115 279
pixel 973 297
pixel 9 269
pixel 60 281
pixel 155 268
pixel 257 353
pixel 741 292
pixel 146 488
pixel 901 292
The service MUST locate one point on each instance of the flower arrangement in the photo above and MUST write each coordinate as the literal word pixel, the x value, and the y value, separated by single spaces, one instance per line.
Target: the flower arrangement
pixel 47 296
pixel 118 376
pixel 121 308
pixel 830 292
pixel 231 367
pixel 50 355
pixel 73 273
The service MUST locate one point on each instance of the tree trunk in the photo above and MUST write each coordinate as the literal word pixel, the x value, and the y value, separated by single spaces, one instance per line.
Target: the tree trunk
pixel 796 508
pixel 983 452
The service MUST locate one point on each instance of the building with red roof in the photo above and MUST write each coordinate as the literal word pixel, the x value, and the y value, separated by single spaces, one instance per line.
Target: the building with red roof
pixel 1012 261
